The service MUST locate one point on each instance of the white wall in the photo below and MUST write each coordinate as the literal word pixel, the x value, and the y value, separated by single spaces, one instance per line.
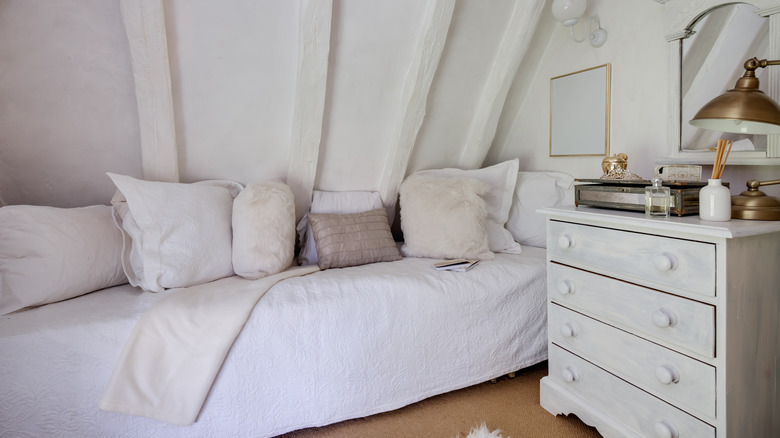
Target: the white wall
pixel 637 50
pixel 369 59
pixel 459 82
pixel 67 103
pixel 68 110
pixel 233 87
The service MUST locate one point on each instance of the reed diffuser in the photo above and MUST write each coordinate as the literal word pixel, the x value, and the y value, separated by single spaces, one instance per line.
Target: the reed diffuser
pixel 721 155
pixel 715 198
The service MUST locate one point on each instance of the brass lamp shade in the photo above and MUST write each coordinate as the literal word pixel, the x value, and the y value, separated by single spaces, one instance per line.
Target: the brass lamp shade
pixel 744 109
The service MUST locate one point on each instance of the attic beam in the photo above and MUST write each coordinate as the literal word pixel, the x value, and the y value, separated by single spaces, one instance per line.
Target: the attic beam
pixel 414 96
pixel 310 88
pixel 144 22
pixel 514 44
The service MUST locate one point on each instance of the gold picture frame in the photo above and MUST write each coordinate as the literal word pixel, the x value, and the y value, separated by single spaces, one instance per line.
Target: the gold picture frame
pixel 580 112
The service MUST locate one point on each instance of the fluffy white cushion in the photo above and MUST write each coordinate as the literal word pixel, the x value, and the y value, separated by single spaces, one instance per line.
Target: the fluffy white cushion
pixel 501 178
pixel 536 190
pixel 444 217
pixel 51 254
pixel 175 235
pixel 332 203
pixel 263 229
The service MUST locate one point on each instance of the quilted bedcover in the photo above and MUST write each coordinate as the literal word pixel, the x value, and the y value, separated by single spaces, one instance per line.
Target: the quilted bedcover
pixel 318 349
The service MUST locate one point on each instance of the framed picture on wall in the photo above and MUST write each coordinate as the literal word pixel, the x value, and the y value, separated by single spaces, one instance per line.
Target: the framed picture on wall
pixel 579 112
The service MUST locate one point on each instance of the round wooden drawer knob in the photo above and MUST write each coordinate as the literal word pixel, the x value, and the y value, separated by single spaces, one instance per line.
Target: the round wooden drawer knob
pixel 565 242
pixel 570 375
pixel 667 374
pixel 665 429
pixel 569 330
pixel 665 262
pixel 566 287
pixel 664 317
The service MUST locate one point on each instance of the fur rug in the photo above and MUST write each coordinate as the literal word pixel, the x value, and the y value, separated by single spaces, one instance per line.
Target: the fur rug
pixel 483 432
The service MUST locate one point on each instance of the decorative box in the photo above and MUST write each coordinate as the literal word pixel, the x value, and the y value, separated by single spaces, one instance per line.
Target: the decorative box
pixel 678 172
pixel 630 194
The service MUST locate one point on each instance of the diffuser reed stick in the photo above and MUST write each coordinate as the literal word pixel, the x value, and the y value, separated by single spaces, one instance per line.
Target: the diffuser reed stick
pixel 721 155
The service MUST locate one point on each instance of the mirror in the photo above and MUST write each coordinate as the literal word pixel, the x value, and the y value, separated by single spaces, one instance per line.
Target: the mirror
pixel 579 113
pixel 713 53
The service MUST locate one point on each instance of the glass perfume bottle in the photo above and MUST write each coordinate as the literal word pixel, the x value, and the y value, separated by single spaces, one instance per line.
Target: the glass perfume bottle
pixel 657 199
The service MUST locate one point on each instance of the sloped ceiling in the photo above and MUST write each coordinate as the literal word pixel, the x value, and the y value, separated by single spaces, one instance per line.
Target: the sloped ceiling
pixel 324 94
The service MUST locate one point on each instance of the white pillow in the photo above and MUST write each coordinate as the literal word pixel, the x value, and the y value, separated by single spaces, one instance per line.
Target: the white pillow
pixel 175 235
pixel 50 254
pixel 501 178
pixel 263 229
pixel 322 202
pixel 536 190
pixel 444 217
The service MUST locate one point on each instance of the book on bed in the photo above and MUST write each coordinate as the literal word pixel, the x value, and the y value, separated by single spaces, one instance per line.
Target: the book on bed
pixel 457 265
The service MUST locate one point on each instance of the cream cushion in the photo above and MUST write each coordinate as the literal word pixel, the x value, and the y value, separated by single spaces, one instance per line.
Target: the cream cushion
pixel 50 254
pixel 175 234
pixel 263 229
pixel 536 190
pixel 501 179
pixel 444 217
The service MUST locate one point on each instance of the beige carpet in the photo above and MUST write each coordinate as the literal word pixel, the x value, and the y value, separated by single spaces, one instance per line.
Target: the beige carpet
pixel 511 405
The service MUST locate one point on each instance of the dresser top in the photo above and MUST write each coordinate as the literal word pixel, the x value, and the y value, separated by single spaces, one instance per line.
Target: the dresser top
pixel 686 224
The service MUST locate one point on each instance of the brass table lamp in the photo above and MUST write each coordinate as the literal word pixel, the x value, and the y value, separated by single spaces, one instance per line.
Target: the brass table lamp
pixel 746 110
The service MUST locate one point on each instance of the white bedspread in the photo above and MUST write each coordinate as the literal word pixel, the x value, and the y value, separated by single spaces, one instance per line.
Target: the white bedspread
pixel 176 349
pixel 317 349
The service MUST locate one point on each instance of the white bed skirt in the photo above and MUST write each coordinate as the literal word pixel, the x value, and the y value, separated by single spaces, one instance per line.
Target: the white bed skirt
pixel 318 349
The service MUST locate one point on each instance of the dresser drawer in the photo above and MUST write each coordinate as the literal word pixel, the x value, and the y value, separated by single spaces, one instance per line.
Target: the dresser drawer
pixel 656 315
pixel 656 261
pixel 679 379
pixel 623 402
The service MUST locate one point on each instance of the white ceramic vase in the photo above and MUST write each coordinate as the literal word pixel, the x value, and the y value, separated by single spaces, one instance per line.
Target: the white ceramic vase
pixel 714 201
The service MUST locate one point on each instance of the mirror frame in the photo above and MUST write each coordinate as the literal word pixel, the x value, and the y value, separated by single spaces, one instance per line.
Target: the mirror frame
pixel 681 16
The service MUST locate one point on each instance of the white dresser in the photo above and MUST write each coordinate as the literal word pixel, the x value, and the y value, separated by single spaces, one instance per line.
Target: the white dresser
pixel 663 328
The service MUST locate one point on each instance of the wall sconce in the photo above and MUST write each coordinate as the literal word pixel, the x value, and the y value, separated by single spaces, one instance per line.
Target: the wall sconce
pixel 746 110
pixel 569 12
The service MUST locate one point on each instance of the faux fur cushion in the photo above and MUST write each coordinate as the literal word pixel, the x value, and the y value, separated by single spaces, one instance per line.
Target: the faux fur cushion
pixel 353 239
pixel 50 254
pixel 501 178
pixel 263 229
pixel 444 218
pixel 175 235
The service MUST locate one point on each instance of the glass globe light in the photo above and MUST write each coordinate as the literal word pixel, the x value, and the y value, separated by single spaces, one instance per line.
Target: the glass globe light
pixel 568 11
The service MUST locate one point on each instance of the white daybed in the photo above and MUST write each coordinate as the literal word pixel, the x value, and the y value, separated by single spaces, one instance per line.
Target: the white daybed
pixel 316 349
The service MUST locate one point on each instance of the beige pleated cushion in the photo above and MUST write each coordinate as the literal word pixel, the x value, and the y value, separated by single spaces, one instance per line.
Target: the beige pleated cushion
pixel 353 239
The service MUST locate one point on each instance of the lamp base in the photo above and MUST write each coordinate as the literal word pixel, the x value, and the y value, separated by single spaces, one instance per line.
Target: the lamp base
pixel 753 204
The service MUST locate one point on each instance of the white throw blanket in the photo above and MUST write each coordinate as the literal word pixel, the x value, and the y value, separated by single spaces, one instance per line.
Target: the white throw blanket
pixel 175 351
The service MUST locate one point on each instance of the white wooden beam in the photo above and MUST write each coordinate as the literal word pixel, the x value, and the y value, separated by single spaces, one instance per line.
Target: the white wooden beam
pixel 144 22
pixel 414 96
pixel 310 88
pixel 514 44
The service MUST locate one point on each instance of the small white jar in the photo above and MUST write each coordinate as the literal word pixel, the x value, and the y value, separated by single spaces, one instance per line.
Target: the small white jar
pixel 714 202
